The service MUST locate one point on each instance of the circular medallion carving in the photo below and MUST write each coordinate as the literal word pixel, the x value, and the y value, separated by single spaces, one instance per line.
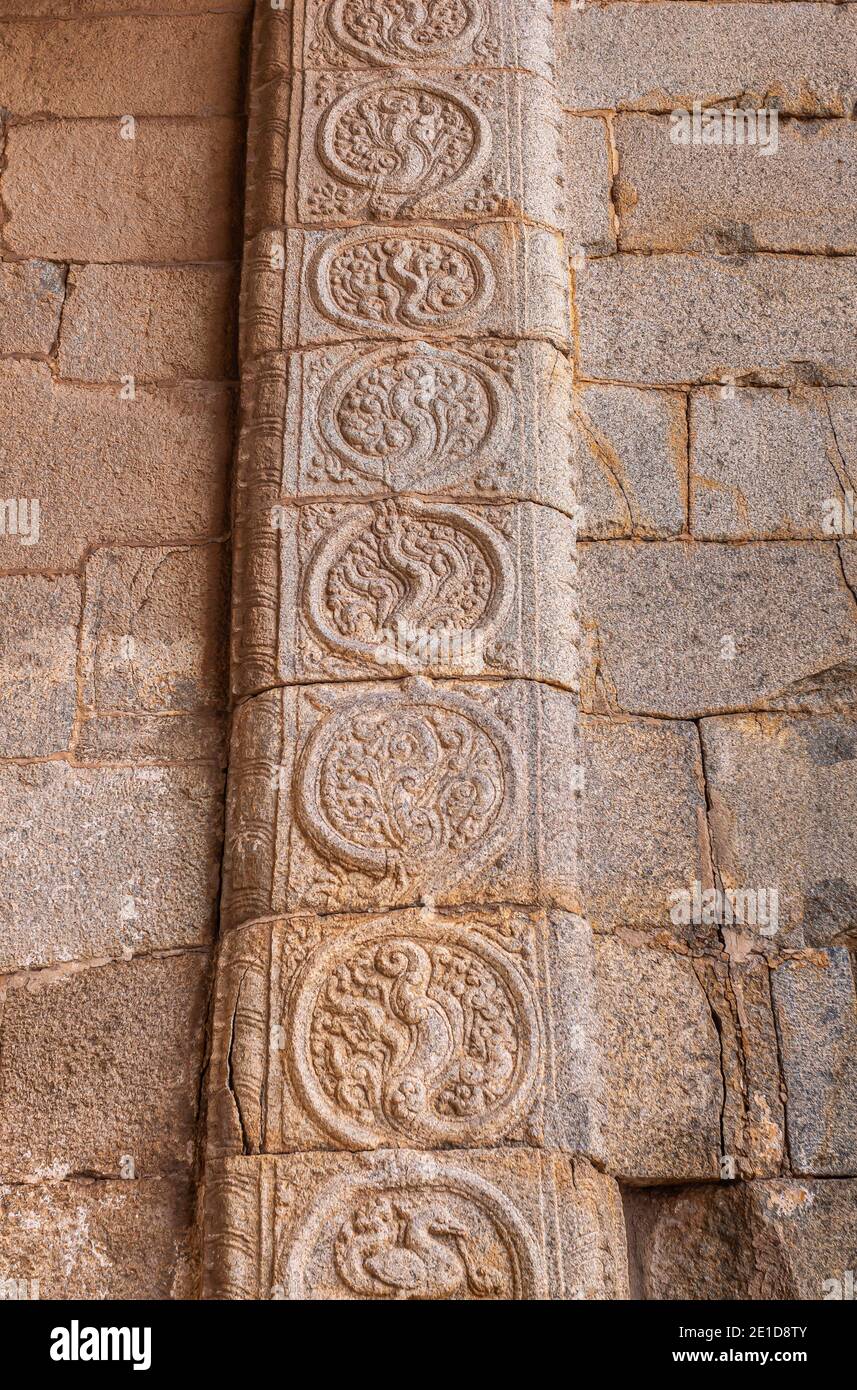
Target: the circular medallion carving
pixel 408 567
pixel 428 1037
pixel 402 138
pixel 402 413
pixel 412 783
pixel 425 279
pixel 405 30
pixel 440 1233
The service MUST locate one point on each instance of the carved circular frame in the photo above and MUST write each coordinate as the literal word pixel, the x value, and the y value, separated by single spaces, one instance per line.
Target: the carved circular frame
pixel 405 81
pixel 425 1131
pixel 376 862
pixel 318 283
pixel 342 35
pixel 421 1175
pixel 330 548
pixel 497 391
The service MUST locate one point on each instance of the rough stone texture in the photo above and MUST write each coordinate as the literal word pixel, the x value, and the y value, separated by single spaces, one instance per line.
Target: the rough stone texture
pixel 793 195
pixel 152 636
pixel 782 796
pixel 632 452
pixel 31 301
pixel 769 318
pixel 760 1240
pixel 153 323
pixel 133 856
pixel 164 67
pixel 817 1023
pixel 772 464
pixel 167 195
pixel 481 1225
pixel 143 470
pixel 99 1069
pixel 661 1059
pixel 682 630
pixel 659 56
pixel 37 662
pixel 500 1049
pixel 97 1240
pixel 589 222
pixel 637 850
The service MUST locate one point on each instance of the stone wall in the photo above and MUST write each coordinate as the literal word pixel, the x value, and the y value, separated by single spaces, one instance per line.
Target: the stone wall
pixel 121 188
pixel 536 973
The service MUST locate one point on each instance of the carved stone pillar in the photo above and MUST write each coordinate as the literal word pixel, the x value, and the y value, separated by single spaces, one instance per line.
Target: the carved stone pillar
pixel 402 1101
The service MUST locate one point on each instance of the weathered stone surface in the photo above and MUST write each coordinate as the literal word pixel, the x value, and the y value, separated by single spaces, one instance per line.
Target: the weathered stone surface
pixel 150 322
pixel 367 795
pixel 37 661
pixel 638 849
pixel 681 630
pixel 761 1240
pixel 768 318
pixel 817 1023
pixel 167 195
pixel 99 1069
pixel 479 280
pixel 660 1053
pixel 488 420
pixel 487 146
pixel 143 470
pixel 100 862
pixel 632 452
pixel 516 33
pixel 51 9
pixel 153 627
pixel 771 464
pixel 497 1046
pixel 481 1225
pixel 151 738
pixel 783 816
pixel 31 301
pixel 660 56
pixel 408 586
pixel 108 67
pixel 96 1240
pixel 589 223
pixel 789 191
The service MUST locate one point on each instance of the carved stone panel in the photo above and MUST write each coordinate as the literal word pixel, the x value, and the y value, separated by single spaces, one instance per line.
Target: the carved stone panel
pixel 439 33
pixel 403 282
pixel 428 145
pixel 407 1226
pixel 365 796
pixel 417 1029
pixel 404 586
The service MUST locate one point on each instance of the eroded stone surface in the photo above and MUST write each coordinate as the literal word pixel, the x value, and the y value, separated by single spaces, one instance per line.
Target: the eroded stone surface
pixel 482 1225
pixel 763 1240
pixel 96 1240
pixel 101 862
pixel 417 1029
pixel 772 464
pixel 782 792
pixel 632 452
pixel 31 301
pixel 682 630
pixel 772 318
pixel 366 796
pixel 587 172
pixel 817 1023
pixel 99 1069
pixel 37 658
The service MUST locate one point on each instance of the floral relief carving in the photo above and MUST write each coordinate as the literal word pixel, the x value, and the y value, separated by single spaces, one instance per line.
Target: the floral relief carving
pixel 400 140
pixel 425 1037
pixel 422 279
pixel 439 1234
pixel 412 785
pixel 407 566
pixel 402 31
pixel 400 416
